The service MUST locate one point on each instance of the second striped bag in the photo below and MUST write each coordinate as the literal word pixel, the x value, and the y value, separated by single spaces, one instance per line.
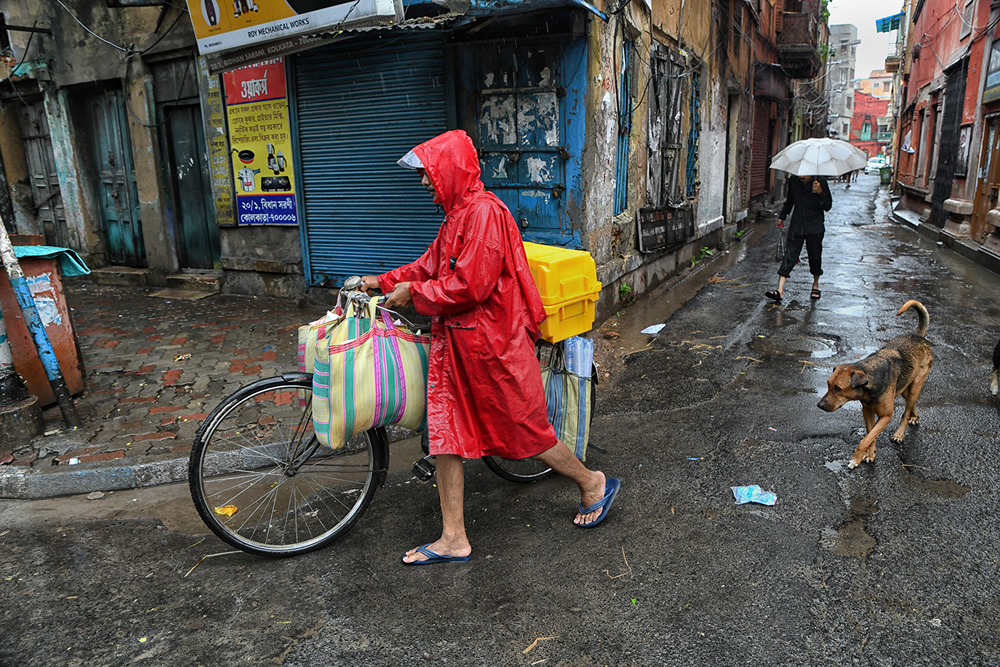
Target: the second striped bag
pixel 368 373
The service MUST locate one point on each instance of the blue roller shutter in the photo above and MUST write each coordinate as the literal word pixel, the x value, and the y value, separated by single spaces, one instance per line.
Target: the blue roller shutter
pixel 360 106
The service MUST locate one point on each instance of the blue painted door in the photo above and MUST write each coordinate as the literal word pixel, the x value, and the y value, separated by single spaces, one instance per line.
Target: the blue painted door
pixel 117 194
pixel 522 135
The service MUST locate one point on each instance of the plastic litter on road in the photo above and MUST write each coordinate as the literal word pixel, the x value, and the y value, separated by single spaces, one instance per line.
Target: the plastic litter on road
pixel 653 329
pixel 753 494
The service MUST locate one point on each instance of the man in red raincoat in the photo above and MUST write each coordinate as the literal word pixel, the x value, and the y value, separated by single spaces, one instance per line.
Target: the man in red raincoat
pixel 484 388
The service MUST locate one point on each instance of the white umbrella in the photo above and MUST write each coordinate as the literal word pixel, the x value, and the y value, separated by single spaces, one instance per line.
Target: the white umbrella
pixel 819 157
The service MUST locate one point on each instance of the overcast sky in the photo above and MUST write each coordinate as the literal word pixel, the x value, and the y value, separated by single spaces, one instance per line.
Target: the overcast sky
pixel 874 46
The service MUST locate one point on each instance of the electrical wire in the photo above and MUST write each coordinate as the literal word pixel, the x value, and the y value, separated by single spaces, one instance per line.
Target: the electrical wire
pixel 173 104
pixel 24 55
pixel 165 33
pixel 75 18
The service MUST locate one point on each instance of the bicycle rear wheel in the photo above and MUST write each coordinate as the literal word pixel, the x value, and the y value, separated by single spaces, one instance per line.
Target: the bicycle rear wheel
pixel 526 471
pixel 263 483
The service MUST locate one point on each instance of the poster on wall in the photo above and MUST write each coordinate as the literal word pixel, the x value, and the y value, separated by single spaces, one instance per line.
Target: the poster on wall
pixel 220 25
pixel 260 144
pixel 213 115
pixel 991 91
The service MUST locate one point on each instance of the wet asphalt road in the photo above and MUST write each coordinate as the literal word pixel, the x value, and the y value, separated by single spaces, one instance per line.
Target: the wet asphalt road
pixel 894 563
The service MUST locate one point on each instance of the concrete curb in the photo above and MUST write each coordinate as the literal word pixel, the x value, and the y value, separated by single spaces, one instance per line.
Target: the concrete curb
pixel 30 484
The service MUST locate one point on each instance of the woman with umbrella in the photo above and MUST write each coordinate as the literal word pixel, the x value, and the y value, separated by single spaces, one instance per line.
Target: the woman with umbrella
pixel 809 197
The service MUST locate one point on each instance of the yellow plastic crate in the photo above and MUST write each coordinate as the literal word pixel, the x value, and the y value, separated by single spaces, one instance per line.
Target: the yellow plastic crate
pixel 570 318
pixel 567 282
pixel 561 274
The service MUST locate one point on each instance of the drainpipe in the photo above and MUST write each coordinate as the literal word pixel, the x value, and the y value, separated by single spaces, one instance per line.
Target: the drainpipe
pixel 37 329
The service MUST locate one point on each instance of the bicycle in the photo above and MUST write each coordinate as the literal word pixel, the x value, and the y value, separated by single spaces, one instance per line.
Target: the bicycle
pixel 263 483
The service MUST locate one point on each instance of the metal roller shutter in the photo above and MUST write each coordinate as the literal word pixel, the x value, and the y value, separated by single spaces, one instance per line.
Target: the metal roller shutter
pixel 359 107
pixel 760 154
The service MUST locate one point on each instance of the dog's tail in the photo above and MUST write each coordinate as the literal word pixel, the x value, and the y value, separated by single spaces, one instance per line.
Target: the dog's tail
pixel 921 313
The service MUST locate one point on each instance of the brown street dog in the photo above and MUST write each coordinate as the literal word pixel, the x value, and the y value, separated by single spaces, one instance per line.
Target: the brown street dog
pixel 898 369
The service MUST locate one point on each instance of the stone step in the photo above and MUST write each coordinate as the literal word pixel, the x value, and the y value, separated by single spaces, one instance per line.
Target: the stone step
pixel 205 281
pixel 120 275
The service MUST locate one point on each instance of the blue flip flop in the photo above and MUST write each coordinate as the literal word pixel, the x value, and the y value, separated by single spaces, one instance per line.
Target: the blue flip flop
pixel 434 558
pixel 604 504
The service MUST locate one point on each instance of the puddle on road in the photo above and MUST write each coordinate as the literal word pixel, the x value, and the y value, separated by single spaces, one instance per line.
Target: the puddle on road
pixel 657 306
pixel 946 488
pixel 781 346
pixel 850 538
pixel 851 311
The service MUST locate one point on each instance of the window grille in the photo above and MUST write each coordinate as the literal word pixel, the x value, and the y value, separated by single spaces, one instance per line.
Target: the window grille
pixel 624 129
pixel 693 135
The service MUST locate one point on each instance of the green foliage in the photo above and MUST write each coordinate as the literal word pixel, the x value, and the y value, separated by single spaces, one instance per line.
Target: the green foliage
pixel 824 11
pixel 625 292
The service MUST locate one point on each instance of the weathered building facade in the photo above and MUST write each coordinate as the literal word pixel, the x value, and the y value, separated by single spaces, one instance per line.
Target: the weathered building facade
pixel 627 129
pixel 101 135
pixel 949 108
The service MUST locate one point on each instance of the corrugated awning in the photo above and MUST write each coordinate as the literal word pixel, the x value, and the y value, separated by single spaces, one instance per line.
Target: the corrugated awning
pixel 479 9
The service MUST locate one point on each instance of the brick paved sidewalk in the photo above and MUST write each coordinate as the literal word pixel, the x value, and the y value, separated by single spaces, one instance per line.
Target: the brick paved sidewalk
pixel 154 369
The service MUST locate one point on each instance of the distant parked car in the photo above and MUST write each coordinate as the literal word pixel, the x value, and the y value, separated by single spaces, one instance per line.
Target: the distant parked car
pixel 875 164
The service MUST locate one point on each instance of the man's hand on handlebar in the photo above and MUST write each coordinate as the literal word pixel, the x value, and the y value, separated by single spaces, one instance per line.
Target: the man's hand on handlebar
pixel 399 297
pixel 368 283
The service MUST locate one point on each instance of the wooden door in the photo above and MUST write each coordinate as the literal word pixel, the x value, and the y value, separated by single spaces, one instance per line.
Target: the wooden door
pixel 44 178
pixel 191 191
pixel 117 194
pixel 987 179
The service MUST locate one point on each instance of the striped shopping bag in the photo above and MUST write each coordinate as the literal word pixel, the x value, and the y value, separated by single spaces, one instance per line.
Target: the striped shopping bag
pixel 369 372
pixel 315 331
pixel 569 385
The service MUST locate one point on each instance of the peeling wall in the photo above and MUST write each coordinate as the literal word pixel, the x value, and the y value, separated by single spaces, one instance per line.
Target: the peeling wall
pixel 263 260
pixel 160 246
pixel 16 171
pixel 78 200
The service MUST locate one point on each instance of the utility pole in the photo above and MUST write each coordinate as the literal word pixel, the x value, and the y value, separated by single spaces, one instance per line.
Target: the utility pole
pixel 42 343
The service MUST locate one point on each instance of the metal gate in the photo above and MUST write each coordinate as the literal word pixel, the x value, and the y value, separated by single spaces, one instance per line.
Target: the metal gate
pixel 358 107
pixel 760 156
pixel 49 214
pixel 117 194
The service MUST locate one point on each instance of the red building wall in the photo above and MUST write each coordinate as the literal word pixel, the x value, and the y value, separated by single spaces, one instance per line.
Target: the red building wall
pixel 868 108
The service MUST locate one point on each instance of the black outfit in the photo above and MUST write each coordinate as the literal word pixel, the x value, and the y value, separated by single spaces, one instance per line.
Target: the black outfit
pixel 806 225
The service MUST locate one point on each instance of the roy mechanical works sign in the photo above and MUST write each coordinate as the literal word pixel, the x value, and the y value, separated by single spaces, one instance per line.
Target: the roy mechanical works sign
pixel 222 25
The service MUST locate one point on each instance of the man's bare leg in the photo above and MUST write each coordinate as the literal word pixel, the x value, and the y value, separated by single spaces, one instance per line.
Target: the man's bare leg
pixel 451 490
pixel 590 482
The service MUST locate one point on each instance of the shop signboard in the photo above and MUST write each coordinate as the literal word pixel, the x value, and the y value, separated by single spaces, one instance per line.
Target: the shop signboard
pixel 221 25
pixel 991 92
pixel 213 114
pixel 260 144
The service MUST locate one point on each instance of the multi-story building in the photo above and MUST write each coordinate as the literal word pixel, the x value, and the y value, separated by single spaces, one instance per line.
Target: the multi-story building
pixel 841 56
pixel 266 162
pixel 869 125
pixel 948 160
pixel 878 84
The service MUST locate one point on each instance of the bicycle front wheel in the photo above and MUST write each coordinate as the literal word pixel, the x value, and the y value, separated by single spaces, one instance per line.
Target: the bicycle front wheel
pixel 263 483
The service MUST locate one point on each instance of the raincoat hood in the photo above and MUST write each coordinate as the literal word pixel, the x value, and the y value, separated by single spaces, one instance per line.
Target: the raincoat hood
pixel 452 164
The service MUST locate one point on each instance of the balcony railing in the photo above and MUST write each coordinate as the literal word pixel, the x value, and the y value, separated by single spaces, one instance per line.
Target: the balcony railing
pixel 797 45
pixel 883 137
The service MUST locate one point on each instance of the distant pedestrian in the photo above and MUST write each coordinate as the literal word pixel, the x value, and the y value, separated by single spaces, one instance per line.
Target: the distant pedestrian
pixel 810 197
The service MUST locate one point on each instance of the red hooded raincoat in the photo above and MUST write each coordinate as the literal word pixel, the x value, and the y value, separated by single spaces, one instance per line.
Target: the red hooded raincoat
pixel 484 388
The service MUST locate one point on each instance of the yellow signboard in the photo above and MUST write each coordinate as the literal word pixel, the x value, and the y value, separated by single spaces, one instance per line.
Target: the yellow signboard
pixel 220 25
pixel 218 147
pixel 260 142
